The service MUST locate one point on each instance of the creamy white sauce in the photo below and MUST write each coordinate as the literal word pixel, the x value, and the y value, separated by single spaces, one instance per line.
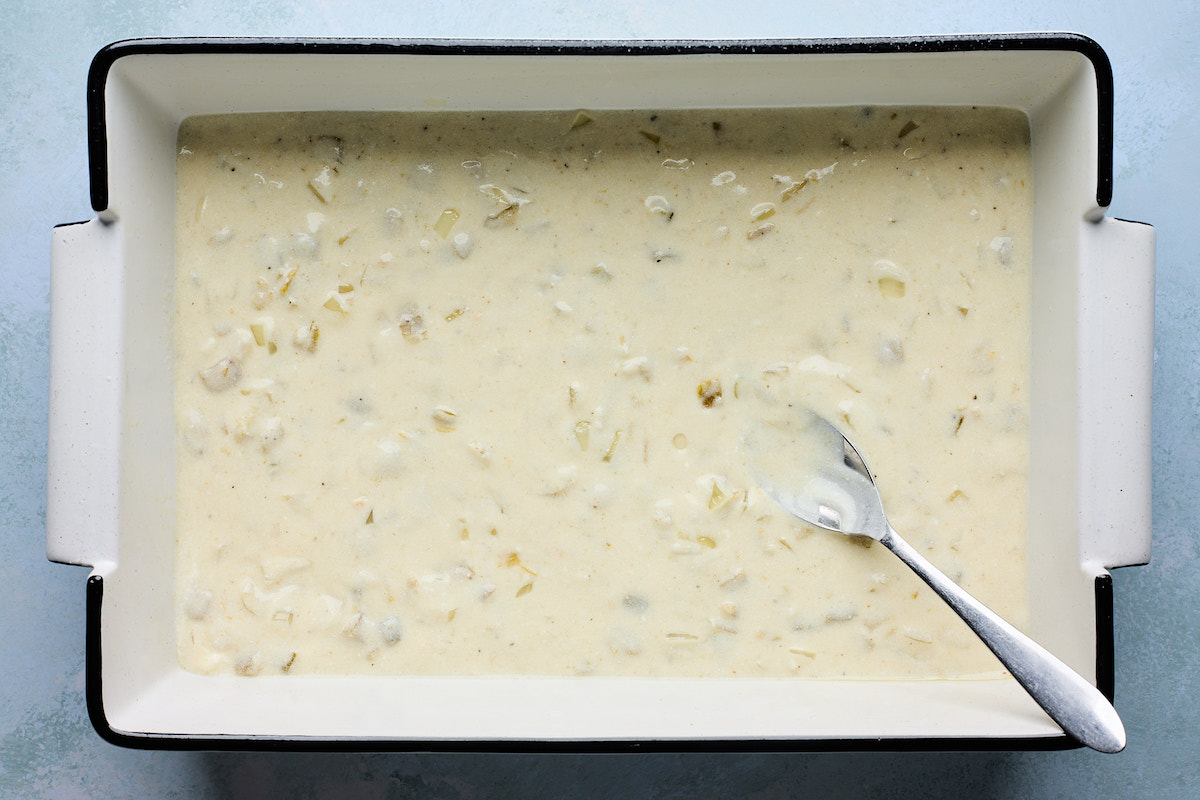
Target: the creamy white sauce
pixel 462 393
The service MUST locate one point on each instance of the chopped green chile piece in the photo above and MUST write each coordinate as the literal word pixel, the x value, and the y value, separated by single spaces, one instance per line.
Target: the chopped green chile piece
pixel 580 119
pixel 445 222
pixel 612 448
pixel 717 498
pixel 891 288
pixel 709 392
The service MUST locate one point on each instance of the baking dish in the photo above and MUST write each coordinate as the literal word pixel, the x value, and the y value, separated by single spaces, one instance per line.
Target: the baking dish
pixel 111 460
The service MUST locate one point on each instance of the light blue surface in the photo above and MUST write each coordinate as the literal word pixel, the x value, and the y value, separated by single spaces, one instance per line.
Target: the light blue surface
pixel 47 748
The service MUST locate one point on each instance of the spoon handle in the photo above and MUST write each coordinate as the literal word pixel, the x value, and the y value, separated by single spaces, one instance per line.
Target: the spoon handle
pixel 1077 706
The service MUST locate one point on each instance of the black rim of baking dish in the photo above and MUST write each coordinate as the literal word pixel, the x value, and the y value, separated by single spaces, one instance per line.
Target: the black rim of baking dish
pixel 98 176
pixel 1065 42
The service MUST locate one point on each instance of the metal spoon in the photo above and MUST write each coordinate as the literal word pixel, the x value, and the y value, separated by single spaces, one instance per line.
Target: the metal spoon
pixel 814 472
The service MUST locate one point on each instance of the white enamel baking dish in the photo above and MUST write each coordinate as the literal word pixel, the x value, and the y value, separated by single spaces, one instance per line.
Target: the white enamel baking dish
pixel 111 438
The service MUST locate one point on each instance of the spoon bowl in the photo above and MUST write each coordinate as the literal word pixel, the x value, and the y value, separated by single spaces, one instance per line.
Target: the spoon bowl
pixel 816 474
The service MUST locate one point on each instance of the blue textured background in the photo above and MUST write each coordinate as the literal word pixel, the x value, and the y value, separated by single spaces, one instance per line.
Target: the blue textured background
pixel 47 748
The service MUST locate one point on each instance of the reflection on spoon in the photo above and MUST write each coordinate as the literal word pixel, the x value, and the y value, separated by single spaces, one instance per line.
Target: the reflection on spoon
pixel 810 469
pixel 814 472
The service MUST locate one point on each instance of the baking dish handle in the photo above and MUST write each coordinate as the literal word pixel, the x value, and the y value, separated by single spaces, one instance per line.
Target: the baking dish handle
pixel 83 445
pixel 1116 343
